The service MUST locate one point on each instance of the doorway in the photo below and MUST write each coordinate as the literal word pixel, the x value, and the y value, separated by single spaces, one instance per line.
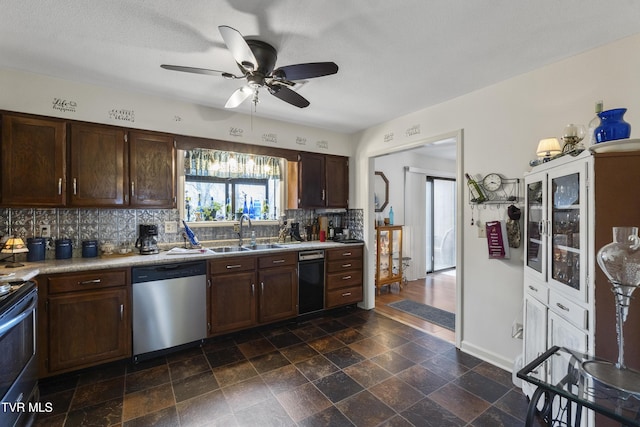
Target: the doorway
pixel 440 224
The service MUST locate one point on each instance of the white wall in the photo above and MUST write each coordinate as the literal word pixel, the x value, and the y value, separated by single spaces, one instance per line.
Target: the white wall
pixel 502 125
pixel 37 94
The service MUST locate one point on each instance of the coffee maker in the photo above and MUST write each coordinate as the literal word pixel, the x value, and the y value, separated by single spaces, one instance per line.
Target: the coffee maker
pixel 147 242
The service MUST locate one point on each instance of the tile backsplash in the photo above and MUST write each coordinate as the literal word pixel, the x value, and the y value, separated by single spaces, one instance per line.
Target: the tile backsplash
pixel 120 226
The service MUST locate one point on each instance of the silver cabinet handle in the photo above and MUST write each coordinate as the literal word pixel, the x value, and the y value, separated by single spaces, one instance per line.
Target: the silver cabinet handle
pixel 230 266
pixel 75 186
pixel 562 307
pixel 533 288
pixel 133 189
pixel 89 282
pixel 121 311
pixel 59 186
pixel 278 261
pixel 323 194
pixel 346 278
pixel 346 265
pixel 261 288
pixel 346 294
pixel 346 254
pixel 253 289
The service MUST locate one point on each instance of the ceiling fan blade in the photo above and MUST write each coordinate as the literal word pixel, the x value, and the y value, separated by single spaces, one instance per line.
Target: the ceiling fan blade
pixel 306 71
pixel 287 95
pixel 193 70
pixel 238 47
pixel 238 97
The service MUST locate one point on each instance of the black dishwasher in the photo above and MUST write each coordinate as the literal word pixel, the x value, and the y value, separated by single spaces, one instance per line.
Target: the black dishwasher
pixel 310 281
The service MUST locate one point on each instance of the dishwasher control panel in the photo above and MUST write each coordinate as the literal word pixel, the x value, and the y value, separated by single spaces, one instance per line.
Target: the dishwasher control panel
pixel 168 271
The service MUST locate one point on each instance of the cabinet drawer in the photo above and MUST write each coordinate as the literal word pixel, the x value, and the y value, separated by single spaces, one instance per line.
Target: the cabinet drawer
pixel 346 253
pixel 277 260
pixel 568 309
pixel 232 265
pixel 344 296
pixel 87 280
pixel 344 264
pixel 537 290
pixel 344 279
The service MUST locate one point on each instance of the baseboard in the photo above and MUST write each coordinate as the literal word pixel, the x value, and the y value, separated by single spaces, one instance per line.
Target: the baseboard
pixel 487 356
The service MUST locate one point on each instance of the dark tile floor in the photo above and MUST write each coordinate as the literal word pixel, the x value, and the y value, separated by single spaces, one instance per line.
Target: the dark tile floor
pixel 350 367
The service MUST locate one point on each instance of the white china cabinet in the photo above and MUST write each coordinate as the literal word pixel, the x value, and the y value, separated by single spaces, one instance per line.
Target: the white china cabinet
pixel 558 296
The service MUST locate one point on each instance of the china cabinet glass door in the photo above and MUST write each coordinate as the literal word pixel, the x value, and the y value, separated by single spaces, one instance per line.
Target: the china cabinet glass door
pixel 535 205
pixel 567 217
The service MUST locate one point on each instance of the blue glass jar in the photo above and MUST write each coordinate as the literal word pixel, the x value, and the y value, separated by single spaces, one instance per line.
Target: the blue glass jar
pixel 612 126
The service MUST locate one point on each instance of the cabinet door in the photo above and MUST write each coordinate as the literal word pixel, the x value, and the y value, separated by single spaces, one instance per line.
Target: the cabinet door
pixel 151 170
pixel 88 327
pixel 564 334
pixel 311 180
pixel 33 162
pixel 535 235
pixel 535 329
pixel 535 337
pixel 278 294
pixel 567 261
pixel 233 301
pixel 337 186
pixel 97 166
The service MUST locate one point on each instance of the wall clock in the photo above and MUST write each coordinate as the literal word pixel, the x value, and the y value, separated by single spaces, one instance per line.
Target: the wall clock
pixel 492 182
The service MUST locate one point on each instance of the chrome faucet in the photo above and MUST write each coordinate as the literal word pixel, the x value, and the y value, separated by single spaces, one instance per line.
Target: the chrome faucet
pixel 242 218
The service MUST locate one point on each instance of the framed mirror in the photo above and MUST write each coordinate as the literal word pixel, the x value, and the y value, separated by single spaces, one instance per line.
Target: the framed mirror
pixel 380 191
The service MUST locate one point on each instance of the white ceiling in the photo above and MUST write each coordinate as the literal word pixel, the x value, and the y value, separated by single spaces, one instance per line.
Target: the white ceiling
pixel 395 57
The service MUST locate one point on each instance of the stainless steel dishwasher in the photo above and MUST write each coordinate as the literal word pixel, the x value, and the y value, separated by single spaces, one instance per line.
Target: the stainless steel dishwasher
pixel 169 307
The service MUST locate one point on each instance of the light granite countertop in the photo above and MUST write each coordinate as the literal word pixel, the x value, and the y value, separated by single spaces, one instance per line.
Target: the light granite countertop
pixel 33 269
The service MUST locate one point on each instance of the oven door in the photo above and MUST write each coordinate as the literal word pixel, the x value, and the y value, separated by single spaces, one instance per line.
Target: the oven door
pixel 18 367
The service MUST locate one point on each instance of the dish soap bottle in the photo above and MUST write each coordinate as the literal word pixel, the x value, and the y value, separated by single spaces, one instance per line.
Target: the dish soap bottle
pixel 391 215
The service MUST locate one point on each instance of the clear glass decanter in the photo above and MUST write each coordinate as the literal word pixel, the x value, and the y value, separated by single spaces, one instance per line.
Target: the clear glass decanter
pixel 620 262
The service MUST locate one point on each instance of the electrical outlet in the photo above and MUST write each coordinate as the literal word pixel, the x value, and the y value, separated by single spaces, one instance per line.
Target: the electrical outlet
pixel 236 228
pixel 170 227
pixel 45 230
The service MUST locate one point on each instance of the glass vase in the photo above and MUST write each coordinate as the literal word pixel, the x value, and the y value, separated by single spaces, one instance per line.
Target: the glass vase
pixel 620 262
pixel 612 125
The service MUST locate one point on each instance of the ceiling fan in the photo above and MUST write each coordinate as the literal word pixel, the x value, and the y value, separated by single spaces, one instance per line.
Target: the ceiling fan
pixel 256 60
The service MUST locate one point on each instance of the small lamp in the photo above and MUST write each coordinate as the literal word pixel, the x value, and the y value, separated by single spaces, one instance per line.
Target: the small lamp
pixel 547 148
pixel 14 245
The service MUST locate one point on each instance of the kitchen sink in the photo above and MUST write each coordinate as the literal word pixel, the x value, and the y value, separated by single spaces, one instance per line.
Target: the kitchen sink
pixel 264 246
pixel 229 249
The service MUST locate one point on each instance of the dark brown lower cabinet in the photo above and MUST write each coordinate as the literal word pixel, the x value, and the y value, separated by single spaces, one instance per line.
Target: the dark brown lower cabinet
pixel 247 291
pixel 84 320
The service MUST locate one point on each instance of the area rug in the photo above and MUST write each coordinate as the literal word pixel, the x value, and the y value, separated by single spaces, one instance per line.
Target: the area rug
pixel 426 312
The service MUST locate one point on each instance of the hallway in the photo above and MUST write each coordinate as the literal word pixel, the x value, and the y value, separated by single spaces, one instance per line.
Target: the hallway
pixel 437 290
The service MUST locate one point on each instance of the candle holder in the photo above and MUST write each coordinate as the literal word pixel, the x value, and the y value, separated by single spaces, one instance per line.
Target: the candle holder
pixel 620 262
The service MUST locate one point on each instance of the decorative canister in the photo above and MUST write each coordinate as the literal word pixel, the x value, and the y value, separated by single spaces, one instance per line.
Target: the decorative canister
pixel 64 249
pixel 89 248
pixel 612 125
pixel 36 246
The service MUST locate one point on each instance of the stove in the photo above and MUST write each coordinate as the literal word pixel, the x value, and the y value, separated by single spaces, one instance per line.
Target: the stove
pixel 19 372
pixel 11 292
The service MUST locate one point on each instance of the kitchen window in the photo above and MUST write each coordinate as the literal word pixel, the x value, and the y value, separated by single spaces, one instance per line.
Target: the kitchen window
pixel 222 185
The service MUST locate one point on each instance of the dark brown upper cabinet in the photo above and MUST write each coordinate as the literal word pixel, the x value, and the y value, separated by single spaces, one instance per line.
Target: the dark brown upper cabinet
pixel 318 181
pixel 33 161
pixel 97 166
pixel 152 170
